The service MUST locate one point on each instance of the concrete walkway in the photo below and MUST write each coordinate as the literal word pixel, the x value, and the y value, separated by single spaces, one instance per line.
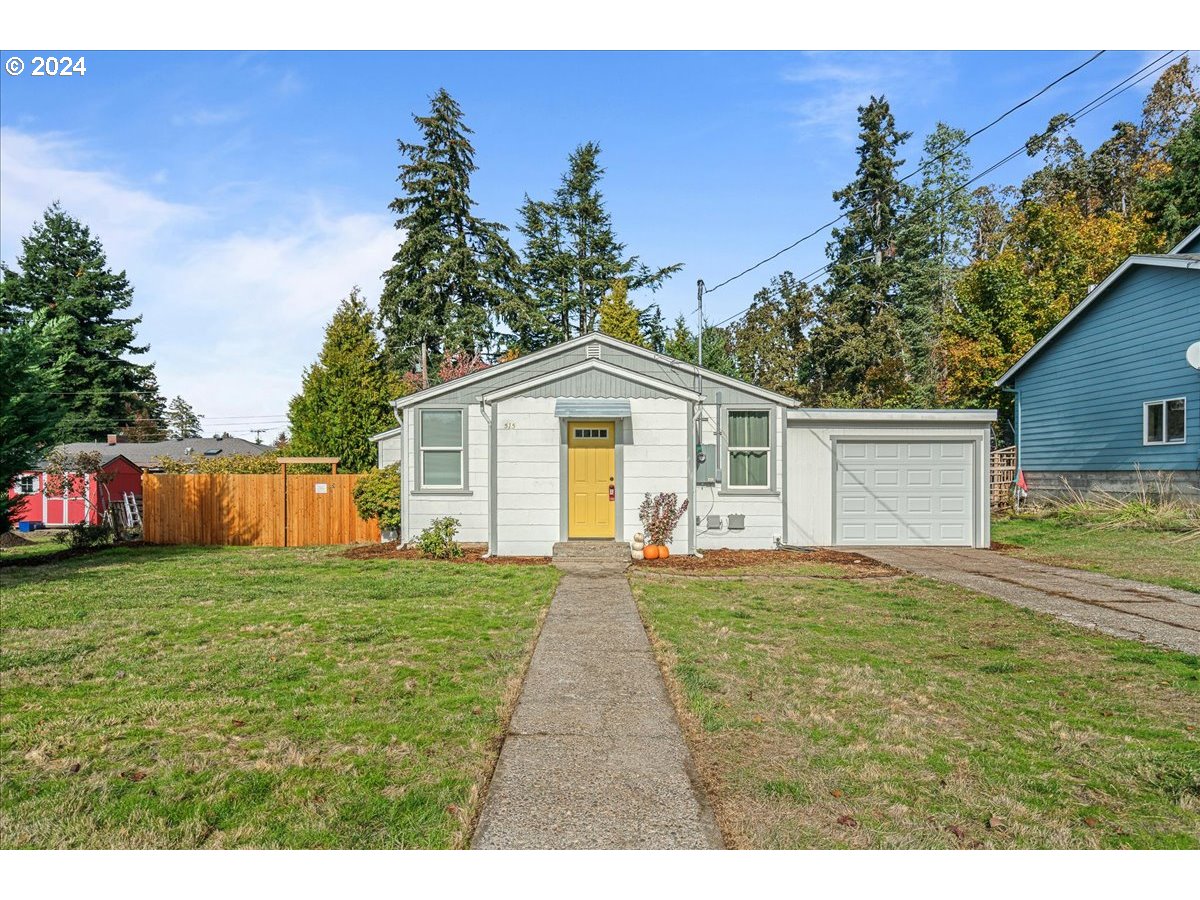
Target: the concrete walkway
pixel 1128 609
pixel 594 757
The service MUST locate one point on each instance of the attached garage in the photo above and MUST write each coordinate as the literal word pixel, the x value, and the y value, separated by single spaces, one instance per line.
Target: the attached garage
pixel 863 478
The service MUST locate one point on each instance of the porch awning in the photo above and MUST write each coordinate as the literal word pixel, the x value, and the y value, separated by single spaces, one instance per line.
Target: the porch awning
pixel 592 409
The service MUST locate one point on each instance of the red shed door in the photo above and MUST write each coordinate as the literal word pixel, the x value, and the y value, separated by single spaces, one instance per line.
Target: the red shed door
pixel 69 507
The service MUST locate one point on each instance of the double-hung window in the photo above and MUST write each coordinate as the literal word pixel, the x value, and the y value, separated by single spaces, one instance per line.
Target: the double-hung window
pixel 749 443
pixel 28 484
pixel 1165 421
pixel 443 440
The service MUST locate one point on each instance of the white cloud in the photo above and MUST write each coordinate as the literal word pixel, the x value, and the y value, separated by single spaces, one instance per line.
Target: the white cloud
pixel 234 304
pixel 836 85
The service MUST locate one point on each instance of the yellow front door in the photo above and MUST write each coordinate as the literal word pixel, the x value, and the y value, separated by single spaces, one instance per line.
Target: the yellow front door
pixel 591 473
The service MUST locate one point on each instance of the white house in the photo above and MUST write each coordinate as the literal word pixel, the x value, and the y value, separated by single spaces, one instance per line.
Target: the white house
pixel 563 445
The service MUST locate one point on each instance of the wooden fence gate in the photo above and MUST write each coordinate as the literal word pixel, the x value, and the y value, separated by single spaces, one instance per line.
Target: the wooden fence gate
pixel 1004 473
pixel 259 510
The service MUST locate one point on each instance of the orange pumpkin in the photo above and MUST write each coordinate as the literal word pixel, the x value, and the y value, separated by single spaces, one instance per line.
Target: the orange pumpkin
pixel 663 551
pixel 651 551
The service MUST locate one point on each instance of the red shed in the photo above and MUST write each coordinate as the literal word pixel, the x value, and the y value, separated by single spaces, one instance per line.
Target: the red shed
pixel 79 498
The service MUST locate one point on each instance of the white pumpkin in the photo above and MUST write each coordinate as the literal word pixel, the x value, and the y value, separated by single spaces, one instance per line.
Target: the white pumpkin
pixel 639 554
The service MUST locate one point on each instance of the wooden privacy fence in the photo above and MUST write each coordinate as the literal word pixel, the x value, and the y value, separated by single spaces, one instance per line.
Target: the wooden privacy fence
pixel 260 510
pixel 1004 473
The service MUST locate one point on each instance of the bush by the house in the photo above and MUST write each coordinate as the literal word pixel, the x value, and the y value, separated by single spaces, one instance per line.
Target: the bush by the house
pixel 84 535
pixel 377 496
pixel 660 515
pixel 438 540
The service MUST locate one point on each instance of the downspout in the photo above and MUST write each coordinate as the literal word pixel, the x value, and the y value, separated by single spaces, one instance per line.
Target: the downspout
pixel 488 411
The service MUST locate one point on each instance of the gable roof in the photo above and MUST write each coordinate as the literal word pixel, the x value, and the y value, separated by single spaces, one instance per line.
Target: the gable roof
pixel 1170 260
pixel 145 454
pixel 1191 243
pixel 596 337
pixel 592 365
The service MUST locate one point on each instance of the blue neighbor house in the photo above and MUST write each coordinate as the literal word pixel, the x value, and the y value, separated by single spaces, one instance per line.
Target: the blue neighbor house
pixel 1108 395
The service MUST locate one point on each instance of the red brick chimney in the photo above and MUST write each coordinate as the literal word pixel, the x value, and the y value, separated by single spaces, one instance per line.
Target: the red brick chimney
pixel 112 439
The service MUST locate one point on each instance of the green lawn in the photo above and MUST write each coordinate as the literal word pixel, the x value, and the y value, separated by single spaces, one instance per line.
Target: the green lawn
pixel 1144 554
pixel 900 712
pixel 41 543
pixel 225 697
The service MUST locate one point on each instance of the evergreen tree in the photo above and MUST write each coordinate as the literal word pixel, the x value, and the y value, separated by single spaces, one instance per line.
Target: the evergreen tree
pixel 681 342
pixel 618 317
pixel 63 274
pixel 1173 198
pixel 30 403
pixel 936 247
pixel 718 347
pixel 770 343
pixel 346 393
pixel 453 277
pixel 181 420
pixel 572 255
pixel 858 345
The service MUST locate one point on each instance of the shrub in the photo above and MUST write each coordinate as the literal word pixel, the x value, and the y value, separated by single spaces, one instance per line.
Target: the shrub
pixel 438 539
pixel 660 515
pixel 84 535
pixel 377 496
pixel 234 464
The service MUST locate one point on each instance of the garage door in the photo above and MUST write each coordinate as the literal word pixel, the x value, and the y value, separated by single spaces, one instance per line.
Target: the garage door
pixel 890 492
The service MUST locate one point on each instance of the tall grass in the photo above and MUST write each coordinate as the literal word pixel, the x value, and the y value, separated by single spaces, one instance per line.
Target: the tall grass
pixel 1151 505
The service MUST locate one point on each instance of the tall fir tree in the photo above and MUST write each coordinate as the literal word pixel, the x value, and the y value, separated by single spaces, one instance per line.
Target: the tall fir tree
pixel 858 344
pixel 718 347
pixel 31 406
pixel 937 233
pixel 181 419
pixel 345 396
pixel 572 256
pixel 453 277
pixel 63 274
pixel 618 317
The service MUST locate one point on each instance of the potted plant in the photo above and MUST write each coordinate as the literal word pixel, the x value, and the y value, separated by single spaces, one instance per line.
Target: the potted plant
pixel 660 514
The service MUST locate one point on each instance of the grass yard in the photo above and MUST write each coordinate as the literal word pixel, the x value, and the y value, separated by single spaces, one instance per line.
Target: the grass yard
pixel 247 697
pixel 1158 557
pixel 903 713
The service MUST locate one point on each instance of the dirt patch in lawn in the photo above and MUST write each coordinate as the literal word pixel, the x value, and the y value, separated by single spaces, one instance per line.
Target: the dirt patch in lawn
pixel 472 553
pixel 749 560
pixel 12 539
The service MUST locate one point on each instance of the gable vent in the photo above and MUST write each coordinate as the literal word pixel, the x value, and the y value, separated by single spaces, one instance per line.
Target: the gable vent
pixel 593 351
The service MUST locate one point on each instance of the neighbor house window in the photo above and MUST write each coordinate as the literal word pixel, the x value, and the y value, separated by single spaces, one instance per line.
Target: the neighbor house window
pixel 442 441
pixel 28 484
pixel 1166 421
pixel 749 448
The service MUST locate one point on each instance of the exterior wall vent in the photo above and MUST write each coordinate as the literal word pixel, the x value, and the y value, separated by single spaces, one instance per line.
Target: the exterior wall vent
pixel 737 522
pixel 593 351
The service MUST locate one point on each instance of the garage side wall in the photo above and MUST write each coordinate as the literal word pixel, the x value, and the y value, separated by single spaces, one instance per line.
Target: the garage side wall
pixel 810 451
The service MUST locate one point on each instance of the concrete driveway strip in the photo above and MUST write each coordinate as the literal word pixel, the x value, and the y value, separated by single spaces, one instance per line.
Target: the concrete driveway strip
pixel 594 757
pixel 1129 609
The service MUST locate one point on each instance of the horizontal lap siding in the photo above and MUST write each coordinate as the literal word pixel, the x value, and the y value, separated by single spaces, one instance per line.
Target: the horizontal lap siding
pixel 656 446
pixel 764 513
pixel 470 509
pixel 527 476
pixel 1081 397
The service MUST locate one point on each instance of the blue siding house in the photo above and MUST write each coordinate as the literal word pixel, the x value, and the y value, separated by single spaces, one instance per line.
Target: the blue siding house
pixel 1109 390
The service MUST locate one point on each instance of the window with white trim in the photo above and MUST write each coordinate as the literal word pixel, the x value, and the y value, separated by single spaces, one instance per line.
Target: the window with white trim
pixel 27 484
pixel 1165 421
pixel 749 448
pixel 442 442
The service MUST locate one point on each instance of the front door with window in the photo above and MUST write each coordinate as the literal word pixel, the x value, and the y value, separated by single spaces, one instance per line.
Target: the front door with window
pixel 591 480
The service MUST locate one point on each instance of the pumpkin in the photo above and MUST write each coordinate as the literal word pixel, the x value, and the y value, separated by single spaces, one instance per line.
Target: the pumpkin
pixel 663 551
pixel 651 551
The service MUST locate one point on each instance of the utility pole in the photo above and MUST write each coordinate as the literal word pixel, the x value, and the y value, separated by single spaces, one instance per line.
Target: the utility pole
pixel 258 433
pixel 700 322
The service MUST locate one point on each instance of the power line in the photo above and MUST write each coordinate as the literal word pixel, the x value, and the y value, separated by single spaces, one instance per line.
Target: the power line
pixel 916 171
pixel 1111 94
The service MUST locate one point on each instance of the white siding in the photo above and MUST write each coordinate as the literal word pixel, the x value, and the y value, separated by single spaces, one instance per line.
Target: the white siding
pixel 471 509
pixel 811 469
pixel 390 450
pixel 657 446
pixel 527 476
pixel 763 512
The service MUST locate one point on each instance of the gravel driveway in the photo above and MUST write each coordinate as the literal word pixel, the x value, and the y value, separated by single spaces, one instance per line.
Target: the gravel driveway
pixel 1129 609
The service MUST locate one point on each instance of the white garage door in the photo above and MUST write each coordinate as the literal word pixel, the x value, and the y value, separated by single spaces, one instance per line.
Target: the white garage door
pixel 891 492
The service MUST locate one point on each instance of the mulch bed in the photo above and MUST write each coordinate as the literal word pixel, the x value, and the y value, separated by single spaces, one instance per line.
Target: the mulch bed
pixel 472 553
pixel 730 559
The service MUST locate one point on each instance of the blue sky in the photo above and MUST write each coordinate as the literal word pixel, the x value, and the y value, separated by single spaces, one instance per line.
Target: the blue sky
pixel 245 194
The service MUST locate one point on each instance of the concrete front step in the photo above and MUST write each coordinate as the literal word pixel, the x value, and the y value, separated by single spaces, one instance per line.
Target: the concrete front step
pixel 592 551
